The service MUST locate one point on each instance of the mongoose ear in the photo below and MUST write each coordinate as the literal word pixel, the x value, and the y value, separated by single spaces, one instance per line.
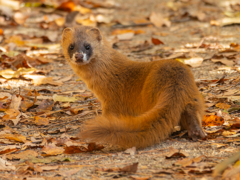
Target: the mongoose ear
pixel 66 33
pixel 95 33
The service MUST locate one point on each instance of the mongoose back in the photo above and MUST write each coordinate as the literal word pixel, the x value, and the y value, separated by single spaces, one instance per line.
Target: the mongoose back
pixel 141 101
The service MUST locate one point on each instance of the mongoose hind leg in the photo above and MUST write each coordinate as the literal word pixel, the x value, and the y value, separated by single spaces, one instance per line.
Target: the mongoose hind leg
pixel 191 120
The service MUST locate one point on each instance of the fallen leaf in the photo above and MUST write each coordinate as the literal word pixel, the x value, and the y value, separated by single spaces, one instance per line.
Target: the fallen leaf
pixel 175 153
pixel 75 149
pixel 223 106
pixel 14 137
pixel 76 110
pixel 156 41
pixel 34 167
pixel 131 151
pixel 127 169
pixel 51 150
pixel 224 61
pixel 49 168
pixel 40 79
pixel 64 98
pixel 8 149
pixel 212 120
pixel 8 73
pixel 6 166
pixel 45 105
pixel 125 36
pixel 94 147
pixel 41 121
pixel 158 20
pixel 67 6
pixel 130 169
pixel 69 173
pixel 22 155
pixel 193 61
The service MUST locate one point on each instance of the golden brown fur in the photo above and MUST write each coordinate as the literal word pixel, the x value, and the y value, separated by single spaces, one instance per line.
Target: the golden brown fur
pixel 141 101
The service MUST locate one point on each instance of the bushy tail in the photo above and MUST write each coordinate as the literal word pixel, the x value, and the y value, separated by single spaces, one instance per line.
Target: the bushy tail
pixel 140 131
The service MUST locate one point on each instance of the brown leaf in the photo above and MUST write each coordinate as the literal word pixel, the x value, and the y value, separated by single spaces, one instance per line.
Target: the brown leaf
pixel 45 105
pixel 140 178
pixel 130 169
pixel 14 137
pixel 15 103
pixel 33 167
pixel 156 41
pixel 23 155
pixel 69 173
pixel 223 106
pixel 127 169
pixel 76 110
pixel 212 120
pixel 67 6
pixel 158 20
pixel 125 36
pixel 49 168
pixel 224 61
pixel 51 150
pixel 175 153
pixel 131 151
pixel 41 121
pixel 94 147
pixel 75 149
pixel 8 149
pixel 184 162
pixel 40 79
pixel 6 166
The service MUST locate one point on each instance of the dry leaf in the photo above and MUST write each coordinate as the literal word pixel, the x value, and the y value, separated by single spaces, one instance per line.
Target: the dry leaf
pixel 8 73
pixel 41 121
pixel 51 150
pixel 212 120
pixel 69 173
pixel 175 153
pixel 49 168
pixel 156 41
pixel 127 169
pixel 64 98
pixel 94 147
pixel 23 155
pixel 76 110
pixel 75 149
pixel 223 106
pixel 6 166
pixel 194 61
pixel 40 79
pixel 158 20
pixel 45 105
pixel 126 36
pixel 224 61
pixel 131 151
pixel 14 137
pixel 67 6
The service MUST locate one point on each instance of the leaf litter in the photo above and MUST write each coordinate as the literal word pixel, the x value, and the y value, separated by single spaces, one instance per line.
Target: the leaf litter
pixel 42 102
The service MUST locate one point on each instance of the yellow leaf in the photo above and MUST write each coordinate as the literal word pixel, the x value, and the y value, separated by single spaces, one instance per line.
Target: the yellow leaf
pixel 64 98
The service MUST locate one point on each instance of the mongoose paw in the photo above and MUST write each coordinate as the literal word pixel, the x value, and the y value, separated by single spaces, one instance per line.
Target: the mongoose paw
pixel 196 132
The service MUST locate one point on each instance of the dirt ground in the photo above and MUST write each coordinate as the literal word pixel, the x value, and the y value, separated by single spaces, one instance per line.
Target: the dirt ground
pixel 185 35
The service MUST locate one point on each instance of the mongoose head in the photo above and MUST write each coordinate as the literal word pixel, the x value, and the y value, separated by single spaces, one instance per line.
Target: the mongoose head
pixel 81 44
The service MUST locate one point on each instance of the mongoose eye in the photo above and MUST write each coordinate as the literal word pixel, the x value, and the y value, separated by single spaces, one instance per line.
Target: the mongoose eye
pixel 71 47
pixel 87 47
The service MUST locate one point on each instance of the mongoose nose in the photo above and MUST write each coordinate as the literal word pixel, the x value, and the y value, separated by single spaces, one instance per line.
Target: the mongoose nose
pixel 79 56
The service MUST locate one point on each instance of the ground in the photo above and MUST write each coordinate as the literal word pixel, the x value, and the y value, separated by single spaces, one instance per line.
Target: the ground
pixel 191 31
